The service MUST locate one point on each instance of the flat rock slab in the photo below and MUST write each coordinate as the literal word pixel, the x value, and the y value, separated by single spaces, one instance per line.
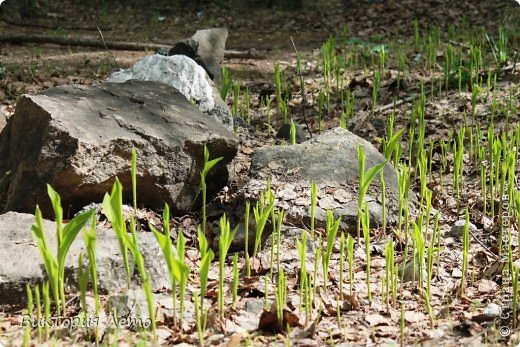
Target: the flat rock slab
pixel 79 138
pixel 21 261
pixel 331 160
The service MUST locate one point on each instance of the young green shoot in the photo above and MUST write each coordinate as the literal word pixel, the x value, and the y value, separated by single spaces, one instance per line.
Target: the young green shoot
pixel 261 213
pixel 55 264
pixel 90 243
pixel 391 144
pixel 83 277
pixel 314 198
pixel 281 297
pixel 375 90
pixel 465 250
pixel 133 246
pixel 183 280
pixel 176 267
pixel 292 133
pixel 225 238
pixel 278 84
pixel 246 229
pixel 332 227
pixel 235 279
pixel 208 165
pixel 350 257
pixel 236 98
pixel 419 252
pixel 302 251
pixel 227 83
pixel 134 179
pixel 341 264
pixel 279 220
pixel 38 311
pixel 284 110
pixel 365 179
pixel 366 235
pixel 515 274
pixel 112 208
pixel 199 318
pixel 29 312
pixel 206 256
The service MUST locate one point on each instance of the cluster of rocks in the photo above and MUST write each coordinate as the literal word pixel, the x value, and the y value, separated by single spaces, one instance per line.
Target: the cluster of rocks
pixel 79 138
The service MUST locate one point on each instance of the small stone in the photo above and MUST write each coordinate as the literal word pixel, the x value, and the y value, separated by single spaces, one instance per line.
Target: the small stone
pixel 285 132
pixel 457 230
pixel 492 310
pixel 412 271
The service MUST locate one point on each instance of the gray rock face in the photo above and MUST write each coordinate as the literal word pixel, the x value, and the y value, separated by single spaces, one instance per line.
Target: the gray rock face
pixel 206 47
pixel 21 261
pixel 331 161
pixel 78 139
pixel 185 75
pixel 3 117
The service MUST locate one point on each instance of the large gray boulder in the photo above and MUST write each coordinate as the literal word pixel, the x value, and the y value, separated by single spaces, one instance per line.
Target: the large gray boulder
pixel 185 75
pixel 331 160
pixel 21 261
pixel 79 138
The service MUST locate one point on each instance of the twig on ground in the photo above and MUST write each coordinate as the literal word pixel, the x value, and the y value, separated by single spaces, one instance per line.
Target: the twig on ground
pixel 302 87
pixel 105 44
pixel 114 45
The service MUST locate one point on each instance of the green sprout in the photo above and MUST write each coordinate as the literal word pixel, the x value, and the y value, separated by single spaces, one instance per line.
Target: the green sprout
pixel 341 264
pixel 55 264
pixel 292 133
pixel 235 279
pixel 29 312
pixel 314 198
pixel 366 235
pixel 236 96
pixel 302 251
pixel 261 213
pixel 134 179
pixel 208 165
pixel 246 229
pixel 90 243
pixel 206 256
pixel 365 179
pixel 332 227
pixel 112 208
pixel 281 297
pixel 38 311
pixel 185 270
pixel 350 257
pixel 227 83
pixel 83 277
pixel 465 250
pixel 47 308
pixel 177 268
pixel 133 246
pixel 391 145
pixel 225 239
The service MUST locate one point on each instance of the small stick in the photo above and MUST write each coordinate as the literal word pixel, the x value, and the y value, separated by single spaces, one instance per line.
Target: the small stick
pixel 302 87
pixel 105 44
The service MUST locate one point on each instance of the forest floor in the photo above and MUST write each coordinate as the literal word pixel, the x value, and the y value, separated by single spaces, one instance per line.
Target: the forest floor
pixel 400 50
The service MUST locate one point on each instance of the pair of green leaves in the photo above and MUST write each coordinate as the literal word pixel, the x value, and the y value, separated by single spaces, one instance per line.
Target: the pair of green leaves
pixel 55 264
